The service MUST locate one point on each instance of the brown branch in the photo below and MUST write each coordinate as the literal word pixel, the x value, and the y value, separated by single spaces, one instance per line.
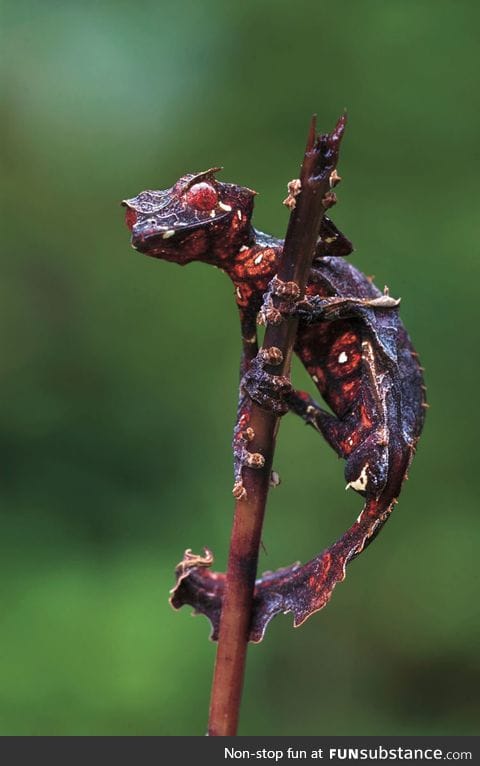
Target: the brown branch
pixel 308 201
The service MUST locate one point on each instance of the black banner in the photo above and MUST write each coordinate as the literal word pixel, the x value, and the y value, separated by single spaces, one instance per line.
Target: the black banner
pixel 242 750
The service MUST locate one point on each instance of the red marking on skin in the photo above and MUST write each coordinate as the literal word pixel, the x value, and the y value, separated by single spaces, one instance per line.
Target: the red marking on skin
pixel 346 339
pixel 311 581
pixel 349 386
pixel 303 395
pixel 322 576
pixel 243 294
pixel 346 367
pixel 202 196
pixel 130 217
pixel 254 265
pixel 351 442
pixel 349 345
pixel 364 417
pixel 342 396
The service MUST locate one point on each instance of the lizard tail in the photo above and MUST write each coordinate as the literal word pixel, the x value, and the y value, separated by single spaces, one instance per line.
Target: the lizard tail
pixel 300 589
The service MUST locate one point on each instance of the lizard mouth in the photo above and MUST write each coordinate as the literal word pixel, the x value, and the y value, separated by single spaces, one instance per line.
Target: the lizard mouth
pixel 154 237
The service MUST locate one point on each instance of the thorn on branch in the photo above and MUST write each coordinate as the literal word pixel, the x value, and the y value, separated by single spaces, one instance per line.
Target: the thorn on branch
pixel 329 200
pixel 334 178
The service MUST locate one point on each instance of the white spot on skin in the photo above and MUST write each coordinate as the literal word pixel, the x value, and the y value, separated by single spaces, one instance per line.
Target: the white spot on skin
pixel 212 214
pixel 239 215
pixel 315 378
pixel 228 208
pixel 243 248
pixel 167 234
pixel 258 259
pixel 342 358
pixel 359 484
pixel 239 293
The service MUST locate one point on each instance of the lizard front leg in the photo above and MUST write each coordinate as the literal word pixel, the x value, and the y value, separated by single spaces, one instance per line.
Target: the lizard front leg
pixel 315 308
pixel 267 390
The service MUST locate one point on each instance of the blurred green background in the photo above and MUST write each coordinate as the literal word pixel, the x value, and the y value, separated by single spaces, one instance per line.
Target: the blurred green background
pixel 119 372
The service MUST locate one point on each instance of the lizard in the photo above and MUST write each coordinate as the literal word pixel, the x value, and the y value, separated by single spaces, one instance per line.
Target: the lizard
pixel 351 341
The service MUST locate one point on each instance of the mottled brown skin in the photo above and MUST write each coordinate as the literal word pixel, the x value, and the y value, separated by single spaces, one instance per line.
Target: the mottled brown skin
pixel 354 346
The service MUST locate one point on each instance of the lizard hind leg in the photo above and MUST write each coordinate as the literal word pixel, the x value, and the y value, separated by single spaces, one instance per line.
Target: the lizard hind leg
pixel 335 431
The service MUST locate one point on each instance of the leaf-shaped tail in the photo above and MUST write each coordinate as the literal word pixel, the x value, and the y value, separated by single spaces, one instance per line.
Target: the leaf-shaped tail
pixel 300 589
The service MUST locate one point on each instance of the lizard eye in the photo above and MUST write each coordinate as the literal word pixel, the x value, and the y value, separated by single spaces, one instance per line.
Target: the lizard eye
pixel 202 196
pixel 130 217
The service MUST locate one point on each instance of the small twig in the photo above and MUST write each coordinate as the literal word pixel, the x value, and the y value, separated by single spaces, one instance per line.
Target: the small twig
pixel 310 197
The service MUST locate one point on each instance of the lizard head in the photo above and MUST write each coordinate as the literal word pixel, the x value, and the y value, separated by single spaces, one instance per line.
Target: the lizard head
pixel 197 219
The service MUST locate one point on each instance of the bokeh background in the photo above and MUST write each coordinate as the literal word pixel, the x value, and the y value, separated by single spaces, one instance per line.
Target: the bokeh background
pixel 119 372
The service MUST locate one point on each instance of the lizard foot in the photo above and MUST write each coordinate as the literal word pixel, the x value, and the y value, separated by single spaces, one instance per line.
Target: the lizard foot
pixel 269 391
